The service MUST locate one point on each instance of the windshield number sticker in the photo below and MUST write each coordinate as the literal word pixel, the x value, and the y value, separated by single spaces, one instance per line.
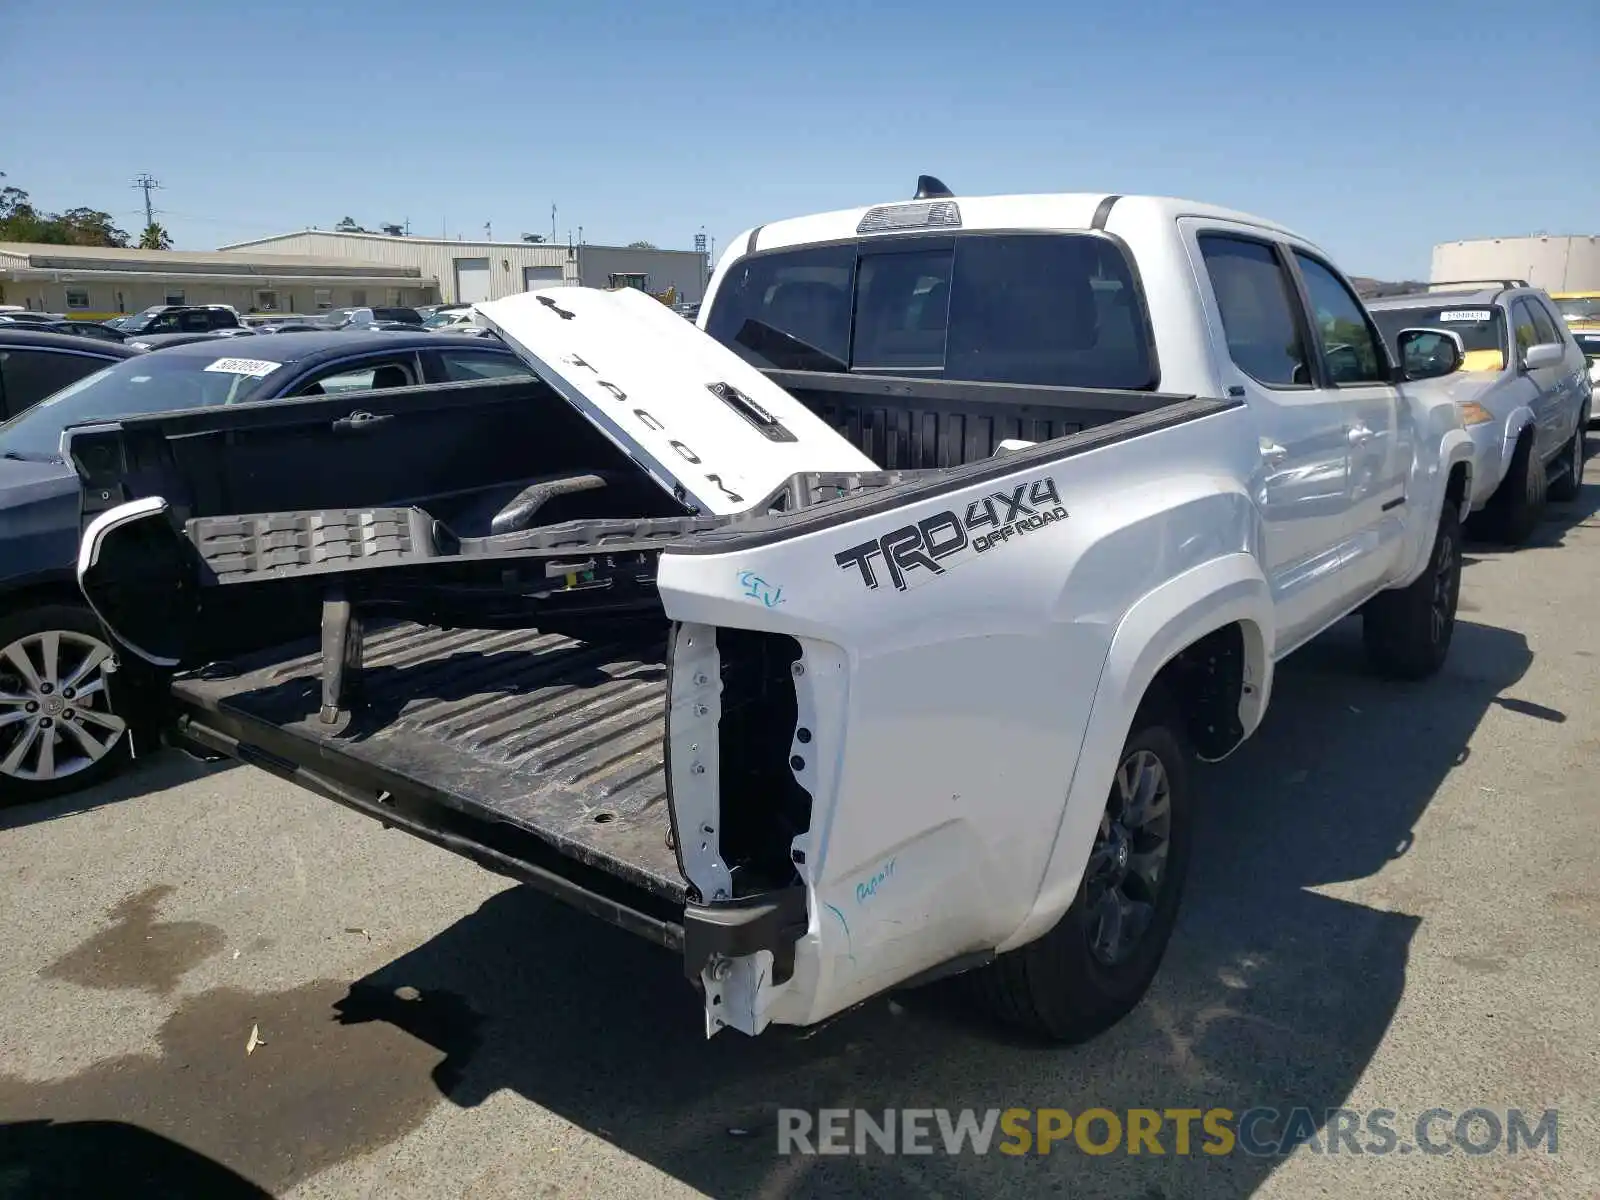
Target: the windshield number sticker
pixel 1465 314
pixel 244 366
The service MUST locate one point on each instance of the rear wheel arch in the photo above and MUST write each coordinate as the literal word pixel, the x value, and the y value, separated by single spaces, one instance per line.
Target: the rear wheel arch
pixel 1208 686
pixel 1458 487
pixel 1226 600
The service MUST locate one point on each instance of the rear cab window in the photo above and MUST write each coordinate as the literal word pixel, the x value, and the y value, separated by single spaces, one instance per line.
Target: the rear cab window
pixel 1052 309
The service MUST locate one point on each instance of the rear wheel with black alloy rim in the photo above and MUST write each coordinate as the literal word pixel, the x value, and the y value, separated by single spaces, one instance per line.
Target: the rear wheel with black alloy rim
pixel 1096 964
pixel 1570 481
pixel 59 730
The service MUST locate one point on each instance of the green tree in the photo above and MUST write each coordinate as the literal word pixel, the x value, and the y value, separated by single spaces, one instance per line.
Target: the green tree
pixel 154 237
pixel 641 246
pixel 20 221
pixel 348 225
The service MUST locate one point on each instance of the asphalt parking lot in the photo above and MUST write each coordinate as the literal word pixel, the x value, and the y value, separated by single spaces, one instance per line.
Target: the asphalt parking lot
pixel 1395 904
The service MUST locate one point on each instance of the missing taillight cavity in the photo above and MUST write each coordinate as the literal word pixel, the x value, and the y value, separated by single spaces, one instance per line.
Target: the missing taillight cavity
pixel 763 807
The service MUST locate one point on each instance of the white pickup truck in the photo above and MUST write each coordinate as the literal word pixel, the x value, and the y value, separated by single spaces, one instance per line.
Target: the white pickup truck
pixel 862 641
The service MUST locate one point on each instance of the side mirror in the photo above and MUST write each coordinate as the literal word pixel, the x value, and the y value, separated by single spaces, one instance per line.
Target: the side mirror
pixel 1545 354
pixel 1429 353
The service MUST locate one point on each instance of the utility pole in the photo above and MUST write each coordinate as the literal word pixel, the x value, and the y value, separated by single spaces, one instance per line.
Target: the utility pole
pixel 147 182
pixel 552 222
pixel 488 232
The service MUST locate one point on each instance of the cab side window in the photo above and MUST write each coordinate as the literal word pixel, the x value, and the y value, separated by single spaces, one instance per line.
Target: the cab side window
pixel 1524 327
pixel 1547 329
pixel 1349 343
pixel 1258 310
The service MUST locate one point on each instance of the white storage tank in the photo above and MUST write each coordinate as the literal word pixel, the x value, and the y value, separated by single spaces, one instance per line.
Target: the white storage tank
pixel 1556 264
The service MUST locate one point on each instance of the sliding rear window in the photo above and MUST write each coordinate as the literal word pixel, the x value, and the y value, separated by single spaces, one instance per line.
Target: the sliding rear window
pixel 1047 309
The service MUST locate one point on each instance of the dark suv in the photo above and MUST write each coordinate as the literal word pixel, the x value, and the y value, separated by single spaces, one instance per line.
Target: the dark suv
pixel 181 318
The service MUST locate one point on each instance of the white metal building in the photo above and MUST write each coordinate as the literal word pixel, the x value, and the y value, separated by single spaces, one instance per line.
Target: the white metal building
pixel 99 281
pixel 1556 264
pixel 470 271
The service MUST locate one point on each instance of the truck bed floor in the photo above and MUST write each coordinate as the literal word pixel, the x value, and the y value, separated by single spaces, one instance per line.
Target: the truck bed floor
pixel 559 738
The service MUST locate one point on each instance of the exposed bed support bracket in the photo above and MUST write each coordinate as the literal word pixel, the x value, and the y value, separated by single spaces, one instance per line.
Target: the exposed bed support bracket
pixel 341 655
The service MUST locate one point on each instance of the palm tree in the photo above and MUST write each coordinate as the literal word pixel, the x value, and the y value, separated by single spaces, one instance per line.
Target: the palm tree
pixel 154 237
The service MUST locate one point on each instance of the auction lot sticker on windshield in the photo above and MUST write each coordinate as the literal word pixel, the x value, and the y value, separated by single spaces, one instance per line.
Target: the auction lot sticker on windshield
pixel 1465 314
pixel 244 366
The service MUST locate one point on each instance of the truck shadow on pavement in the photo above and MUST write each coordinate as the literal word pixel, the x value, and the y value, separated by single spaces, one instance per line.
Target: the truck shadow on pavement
pixel 58 1159
pixel 1272 995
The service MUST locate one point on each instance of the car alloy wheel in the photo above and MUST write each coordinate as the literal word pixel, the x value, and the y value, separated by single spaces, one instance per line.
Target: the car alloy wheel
pixel 1127 865
pixel 55 706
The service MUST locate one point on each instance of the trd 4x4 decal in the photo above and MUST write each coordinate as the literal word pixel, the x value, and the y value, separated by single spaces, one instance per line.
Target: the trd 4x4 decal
pixel 933 543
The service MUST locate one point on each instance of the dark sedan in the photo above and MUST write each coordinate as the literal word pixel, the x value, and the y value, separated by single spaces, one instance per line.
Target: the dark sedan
pixel 60 725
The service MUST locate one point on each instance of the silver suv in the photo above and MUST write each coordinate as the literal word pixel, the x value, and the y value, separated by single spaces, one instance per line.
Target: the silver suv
pixel 1522 389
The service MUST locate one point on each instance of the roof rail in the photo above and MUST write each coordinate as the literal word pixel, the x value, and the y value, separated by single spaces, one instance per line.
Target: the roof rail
pixel 1503 283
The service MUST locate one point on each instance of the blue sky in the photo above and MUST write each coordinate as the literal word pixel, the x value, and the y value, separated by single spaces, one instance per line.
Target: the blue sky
pixel 1375 129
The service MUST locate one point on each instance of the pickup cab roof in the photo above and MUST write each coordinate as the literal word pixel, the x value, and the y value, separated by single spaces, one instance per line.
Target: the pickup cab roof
pixel 1062 210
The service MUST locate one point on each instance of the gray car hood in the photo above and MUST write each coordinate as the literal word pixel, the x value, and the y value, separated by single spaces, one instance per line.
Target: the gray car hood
pixel 1463 386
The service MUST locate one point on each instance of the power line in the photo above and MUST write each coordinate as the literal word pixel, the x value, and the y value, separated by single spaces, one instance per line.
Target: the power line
pixel 147 182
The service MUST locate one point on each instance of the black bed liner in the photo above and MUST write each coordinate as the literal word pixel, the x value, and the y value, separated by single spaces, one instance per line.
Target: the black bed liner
pixel 550 737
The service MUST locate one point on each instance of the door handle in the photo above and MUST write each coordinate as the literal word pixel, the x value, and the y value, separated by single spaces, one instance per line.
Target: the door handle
pixel 357 421
pixel 1360 435
pixel 1273 452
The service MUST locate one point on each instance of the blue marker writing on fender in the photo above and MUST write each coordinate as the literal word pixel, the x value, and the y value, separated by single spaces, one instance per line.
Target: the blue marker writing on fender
pixel 849 950
pixel 757 588
pixel 866 891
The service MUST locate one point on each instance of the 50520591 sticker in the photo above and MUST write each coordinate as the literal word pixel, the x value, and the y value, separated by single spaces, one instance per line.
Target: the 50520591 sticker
pixel 947 539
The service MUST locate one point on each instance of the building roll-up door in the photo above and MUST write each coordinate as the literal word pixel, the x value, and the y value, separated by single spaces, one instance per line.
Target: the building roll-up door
pixel 472 280
pixel 534 278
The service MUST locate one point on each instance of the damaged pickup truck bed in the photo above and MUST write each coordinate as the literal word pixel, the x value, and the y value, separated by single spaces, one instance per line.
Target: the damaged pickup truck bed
pixel 863 640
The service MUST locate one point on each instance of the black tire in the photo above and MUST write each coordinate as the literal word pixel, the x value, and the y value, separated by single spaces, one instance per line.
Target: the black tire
pixel 1566 486
pixel 78 629
pixel 1060 987
pixel 1407 630
pixel 1518 502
